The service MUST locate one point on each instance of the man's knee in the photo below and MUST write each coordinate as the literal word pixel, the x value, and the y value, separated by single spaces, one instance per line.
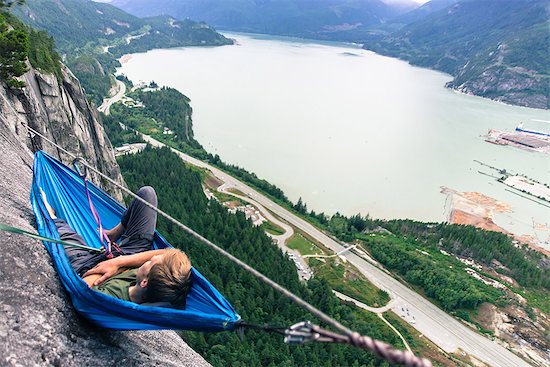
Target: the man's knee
pixel 148 194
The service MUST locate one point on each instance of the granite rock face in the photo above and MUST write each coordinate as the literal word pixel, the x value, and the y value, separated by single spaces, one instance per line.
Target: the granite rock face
pixel 59 110
pixel 38 325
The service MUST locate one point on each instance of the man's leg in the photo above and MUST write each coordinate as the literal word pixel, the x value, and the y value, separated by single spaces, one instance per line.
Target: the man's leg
pixel 49 208
pixel 140 221
pixel 81 260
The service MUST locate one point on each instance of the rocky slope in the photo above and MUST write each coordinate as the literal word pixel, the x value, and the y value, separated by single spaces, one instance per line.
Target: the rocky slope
pixel 59 110
pixel 38 325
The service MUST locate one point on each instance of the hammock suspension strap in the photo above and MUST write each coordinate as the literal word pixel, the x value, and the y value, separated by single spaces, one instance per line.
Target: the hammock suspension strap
pixel 5 227
pixel 103 238
pixel 307 332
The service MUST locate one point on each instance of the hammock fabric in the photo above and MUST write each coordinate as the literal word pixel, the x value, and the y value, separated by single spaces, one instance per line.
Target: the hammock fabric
pixel 206 308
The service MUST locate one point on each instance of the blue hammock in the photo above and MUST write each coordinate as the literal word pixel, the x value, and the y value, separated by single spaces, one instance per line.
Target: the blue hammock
pixel 206 308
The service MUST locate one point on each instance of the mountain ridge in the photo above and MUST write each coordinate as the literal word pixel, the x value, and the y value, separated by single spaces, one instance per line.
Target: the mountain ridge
pixel 493 48
pixel 91 36
pixel 320 19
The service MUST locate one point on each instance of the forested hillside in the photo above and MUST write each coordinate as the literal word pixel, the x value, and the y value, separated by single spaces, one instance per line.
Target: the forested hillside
pixel 473 274
pixel 19 43
pixel 466 271
pixel 494 48
pixel 180 194
pixel 91 36
pixel 443 278
pixel 317 19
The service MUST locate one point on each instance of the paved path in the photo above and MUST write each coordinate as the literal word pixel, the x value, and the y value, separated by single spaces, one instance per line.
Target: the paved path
pixel 442 329
pixel 334 255
pixel 377 310
pixel 364 306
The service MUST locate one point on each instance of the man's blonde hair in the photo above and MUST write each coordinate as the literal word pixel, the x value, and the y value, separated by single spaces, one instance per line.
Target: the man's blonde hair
pixel 170 279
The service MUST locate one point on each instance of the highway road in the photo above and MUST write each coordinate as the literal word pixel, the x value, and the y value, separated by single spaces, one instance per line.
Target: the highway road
pixel 108 102
pixel 281 239
pixel 304 271
pixel 442 329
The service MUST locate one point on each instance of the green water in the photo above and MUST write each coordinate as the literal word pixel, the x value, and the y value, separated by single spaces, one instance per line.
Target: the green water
pixel 346 129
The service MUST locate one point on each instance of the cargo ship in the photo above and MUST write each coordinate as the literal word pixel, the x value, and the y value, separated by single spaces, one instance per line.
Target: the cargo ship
pixel 521 129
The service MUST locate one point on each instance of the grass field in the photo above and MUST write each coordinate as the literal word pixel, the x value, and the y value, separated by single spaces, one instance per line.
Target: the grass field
pixel 347 280
pixel 223 197
pixel 236 191
pixel 538 298
pixel 272 228
pixel 302 245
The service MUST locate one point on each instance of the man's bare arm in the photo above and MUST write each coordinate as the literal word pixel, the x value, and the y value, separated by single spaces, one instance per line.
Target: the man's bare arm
pixel 112 267
pixel 90 279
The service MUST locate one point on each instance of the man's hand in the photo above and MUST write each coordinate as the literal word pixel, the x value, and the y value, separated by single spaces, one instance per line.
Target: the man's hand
pixel 112 267
pixel 115 233
pixel 105 269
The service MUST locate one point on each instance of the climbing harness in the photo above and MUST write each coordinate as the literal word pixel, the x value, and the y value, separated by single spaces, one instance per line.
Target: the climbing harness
pixel 299 333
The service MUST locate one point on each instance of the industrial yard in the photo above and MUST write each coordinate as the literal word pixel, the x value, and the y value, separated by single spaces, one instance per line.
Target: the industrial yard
pixel 520 139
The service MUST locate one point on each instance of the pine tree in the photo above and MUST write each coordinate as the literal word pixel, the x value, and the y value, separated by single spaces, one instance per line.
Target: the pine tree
pixel 14 48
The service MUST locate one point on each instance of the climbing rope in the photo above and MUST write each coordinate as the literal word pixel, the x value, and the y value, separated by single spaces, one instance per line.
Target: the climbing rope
pixel 377 347
pixel 304 332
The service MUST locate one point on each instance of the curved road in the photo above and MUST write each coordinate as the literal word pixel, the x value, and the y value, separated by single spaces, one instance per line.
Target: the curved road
pixel 281 239
pixel 305 272
pixel 108 102
pixel 378 311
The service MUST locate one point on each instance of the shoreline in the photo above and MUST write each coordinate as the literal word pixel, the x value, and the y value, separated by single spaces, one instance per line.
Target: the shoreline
pixel 491 99
pixel 436 217
pixel 478 210
pixel 125 58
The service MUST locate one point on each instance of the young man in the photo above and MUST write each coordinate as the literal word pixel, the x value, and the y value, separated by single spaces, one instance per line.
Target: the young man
pixel 162 275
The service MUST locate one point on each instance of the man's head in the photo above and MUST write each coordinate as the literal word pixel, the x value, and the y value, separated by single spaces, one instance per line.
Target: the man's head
pixel 165 278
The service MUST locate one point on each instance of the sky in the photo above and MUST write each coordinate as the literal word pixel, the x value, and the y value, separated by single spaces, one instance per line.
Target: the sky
pixel 416 1
pixel 407 1
pixel 419 2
